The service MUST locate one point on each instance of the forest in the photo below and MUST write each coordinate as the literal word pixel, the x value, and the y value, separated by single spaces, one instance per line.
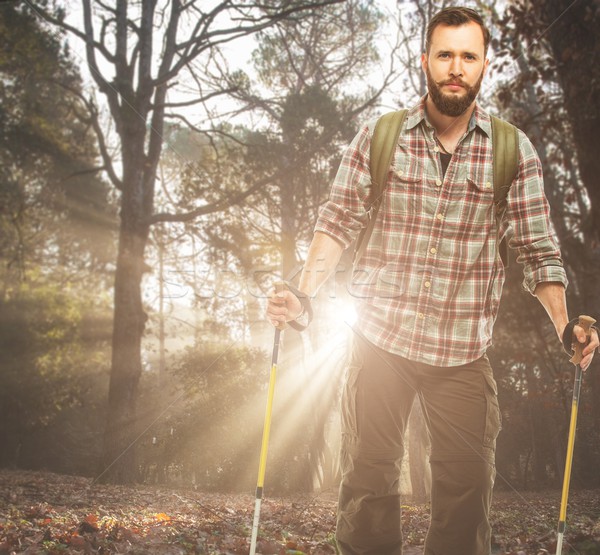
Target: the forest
pixel 162 164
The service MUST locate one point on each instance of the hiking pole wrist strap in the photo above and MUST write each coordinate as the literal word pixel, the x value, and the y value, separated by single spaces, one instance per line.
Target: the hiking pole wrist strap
pixel 307 311
pixel 570 344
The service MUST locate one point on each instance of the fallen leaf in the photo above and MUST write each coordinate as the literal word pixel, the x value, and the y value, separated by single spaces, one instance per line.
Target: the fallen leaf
pixel 91 519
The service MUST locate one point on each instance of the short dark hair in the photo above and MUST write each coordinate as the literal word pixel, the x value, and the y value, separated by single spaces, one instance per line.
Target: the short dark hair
pixel 454 17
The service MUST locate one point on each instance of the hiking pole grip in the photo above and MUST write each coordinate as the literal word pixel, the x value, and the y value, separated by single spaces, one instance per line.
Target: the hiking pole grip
pixel 304 300
pixel 586 322
pixel 280 287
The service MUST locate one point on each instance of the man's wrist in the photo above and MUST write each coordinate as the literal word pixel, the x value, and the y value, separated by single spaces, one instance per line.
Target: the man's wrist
pixel 301 322
pixel 560 329
pixel 567 336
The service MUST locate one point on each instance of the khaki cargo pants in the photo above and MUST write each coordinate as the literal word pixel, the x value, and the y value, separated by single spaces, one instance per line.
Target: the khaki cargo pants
pixel 463 419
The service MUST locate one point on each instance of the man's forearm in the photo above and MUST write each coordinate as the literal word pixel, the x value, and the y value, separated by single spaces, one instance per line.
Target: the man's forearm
pixel 553 299
pixel 323 256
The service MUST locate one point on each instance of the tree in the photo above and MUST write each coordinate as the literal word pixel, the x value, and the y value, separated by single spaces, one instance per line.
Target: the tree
pixel 125 36
pixel 55 241
pixel 571 30
pixel 315 80
pixel 52 199
pixel 548 50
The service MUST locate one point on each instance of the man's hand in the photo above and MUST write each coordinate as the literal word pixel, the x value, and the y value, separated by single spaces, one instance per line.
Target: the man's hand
pixel 282 306
pixel 552 297
pixel 590 348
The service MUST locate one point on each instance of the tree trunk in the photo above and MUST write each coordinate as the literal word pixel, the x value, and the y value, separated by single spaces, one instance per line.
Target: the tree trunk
pixel 573 37
pixel 119 460
pixel 129 322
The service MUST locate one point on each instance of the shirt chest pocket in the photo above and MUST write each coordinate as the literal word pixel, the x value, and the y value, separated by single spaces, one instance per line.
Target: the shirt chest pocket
pixel 470 215
pixel 402 195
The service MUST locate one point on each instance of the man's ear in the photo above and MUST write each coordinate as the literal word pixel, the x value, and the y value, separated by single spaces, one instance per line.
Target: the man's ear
pixel 424 62
pixel 486 63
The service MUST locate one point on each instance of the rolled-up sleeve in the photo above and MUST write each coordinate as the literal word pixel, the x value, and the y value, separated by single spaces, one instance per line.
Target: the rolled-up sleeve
pixel 528 214
pixel 345 213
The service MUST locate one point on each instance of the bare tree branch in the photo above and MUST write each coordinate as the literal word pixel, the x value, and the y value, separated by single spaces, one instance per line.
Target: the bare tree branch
pixel 87 171
pixel 218 206
pixel 199 100
pixel 207 132
pixel 106 157
pixel 200 42
pixel 50 18
pixel 90 48
pixel 92 119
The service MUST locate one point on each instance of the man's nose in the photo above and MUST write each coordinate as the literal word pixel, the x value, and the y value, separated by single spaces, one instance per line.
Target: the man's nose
pixel 456 67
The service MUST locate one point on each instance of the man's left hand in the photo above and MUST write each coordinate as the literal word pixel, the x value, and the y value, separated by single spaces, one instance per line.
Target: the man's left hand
pixel 590 348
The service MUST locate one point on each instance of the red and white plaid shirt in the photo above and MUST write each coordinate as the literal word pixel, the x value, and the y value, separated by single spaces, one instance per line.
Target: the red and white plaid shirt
pixel 429 284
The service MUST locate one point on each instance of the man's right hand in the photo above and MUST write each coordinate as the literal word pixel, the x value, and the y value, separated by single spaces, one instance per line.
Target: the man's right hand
pixel 282 307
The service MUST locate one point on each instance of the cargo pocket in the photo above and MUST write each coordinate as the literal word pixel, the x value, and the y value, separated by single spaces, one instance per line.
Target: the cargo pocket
pixel 349 395
pixel 493 422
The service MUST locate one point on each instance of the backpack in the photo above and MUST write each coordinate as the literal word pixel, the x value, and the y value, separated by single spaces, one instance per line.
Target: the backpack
pixel 505 149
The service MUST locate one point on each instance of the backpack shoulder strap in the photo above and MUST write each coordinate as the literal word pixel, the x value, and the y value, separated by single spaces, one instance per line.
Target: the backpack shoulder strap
pixel 505 148
pixel 383 145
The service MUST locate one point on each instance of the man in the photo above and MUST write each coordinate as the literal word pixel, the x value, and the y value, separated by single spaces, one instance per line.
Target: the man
pixel 430 284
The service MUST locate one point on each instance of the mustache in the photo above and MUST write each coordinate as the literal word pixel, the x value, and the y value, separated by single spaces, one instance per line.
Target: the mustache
pixel 453 82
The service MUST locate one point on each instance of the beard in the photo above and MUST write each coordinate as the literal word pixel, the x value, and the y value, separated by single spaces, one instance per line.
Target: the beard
pixel 451 105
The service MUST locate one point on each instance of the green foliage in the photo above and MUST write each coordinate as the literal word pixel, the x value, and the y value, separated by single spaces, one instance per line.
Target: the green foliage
pixel 55 243
pixel 327 49
pixel 47 367
pixel 312 83
pixel 207 431
pixel 49 191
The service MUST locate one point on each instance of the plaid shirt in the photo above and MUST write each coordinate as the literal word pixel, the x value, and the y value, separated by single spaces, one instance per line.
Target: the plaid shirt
pixel 430 281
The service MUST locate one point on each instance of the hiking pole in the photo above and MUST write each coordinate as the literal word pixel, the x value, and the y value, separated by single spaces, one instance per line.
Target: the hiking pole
pixel 265 437
pixel 585 322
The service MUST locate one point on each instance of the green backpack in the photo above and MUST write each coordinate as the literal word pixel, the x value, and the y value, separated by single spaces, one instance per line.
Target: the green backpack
pixel 505 147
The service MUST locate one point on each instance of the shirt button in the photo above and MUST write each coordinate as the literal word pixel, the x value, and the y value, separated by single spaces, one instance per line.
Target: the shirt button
pixel 440 217
pixel 438 182
pixel 421 315
pixel 400 172
pixel 433 250
pixel 427 284
pixel 436 149
pixel 488 185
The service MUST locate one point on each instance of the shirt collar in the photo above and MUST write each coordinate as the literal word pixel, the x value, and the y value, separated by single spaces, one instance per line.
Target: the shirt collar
pixel 480 118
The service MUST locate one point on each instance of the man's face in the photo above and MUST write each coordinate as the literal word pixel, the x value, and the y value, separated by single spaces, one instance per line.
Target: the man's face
pixel 455 66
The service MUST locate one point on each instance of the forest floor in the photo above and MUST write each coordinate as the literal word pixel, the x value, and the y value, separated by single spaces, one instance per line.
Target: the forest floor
pixel 53 514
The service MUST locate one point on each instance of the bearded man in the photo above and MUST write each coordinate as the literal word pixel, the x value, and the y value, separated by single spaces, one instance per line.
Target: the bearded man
pixel 431 281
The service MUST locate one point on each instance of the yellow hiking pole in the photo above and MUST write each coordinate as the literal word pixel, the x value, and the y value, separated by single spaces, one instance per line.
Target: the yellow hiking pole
pixel 265 443
pixel 586 323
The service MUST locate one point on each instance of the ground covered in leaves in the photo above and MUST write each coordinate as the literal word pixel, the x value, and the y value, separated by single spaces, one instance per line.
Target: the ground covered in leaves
pixel 52 514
